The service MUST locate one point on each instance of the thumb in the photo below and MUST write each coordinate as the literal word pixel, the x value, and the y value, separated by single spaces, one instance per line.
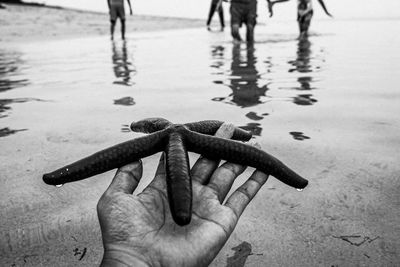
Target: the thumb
pixel 126 179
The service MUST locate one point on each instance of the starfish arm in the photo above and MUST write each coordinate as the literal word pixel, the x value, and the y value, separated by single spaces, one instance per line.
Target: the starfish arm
pixel 210 127
pixel 179 183
pixel 150 125
pixel 240 153
pixel 108 159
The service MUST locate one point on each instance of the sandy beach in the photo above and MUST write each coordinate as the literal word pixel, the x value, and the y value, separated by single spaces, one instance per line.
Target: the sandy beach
pixel 26 23
pixel 328 107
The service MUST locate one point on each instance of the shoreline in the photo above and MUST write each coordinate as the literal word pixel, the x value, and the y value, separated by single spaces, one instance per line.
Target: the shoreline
pixel 35 22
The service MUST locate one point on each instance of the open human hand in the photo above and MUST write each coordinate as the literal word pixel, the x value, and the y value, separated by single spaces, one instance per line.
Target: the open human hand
pixel 139 230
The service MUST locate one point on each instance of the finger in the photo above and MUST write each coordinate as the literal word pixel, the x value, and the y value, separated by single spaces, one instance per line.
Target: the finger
pixel 203 168
pixel 161 166
pixel 159 182
pixel 222 179
pixel 126 179
pixel 239 200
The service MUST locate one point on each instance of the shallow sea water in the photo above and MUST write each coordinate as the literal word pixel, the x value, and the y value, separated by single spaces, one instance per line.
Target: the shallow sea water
pixel 165 73
pixel 337 91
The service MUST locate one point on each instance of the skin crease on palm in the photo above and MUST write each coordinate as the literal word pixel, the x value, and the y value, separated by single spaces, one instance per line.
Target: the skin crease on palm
pixel 138 229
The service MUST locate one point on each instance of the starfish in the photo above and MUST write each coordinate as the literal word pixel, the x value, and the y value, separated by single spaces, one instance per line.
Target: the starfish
pixel 176 140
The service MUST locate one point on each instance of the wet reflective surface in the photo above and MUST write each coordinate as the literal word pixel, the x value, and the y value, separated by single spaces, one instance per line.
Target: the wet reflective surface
pixel 123 66
pixel 163 75
pixel 11 65
pixel 327 106
pixel 243 77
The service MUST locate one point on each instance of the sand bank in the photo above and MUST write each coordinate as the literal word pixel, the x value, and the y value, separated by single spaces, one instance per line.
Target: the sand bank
pixel 27 22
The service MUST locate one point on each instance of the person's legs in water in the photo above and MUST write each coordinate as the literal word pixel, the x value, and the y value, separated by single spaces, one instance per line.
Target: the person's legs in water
pixel 211 14
pixel 121 16
pixel 113 20
pixel 221 17
pixel 304 24
pixel 250 33
pixel 123 29
pixel 236 11
pixel 251 21
pixel 112 28
pixel 235 33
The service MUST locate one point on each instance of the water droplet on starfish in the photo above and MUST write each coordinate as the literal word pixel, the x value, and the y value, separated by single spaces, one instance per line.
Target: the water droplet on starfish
pixel 59 185
pixel 300 189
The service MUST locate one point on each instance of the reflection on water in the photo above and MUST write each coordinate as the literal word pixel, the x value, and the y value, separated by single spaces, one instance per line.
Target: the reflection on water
pixel 255 117
pixel 304 100
pixel 4 104
pixel 125 128
pixel 122 64
pixel 11 64
pixel 244 78
pixel 10 68
pixel 217 53
pixel 299 136
pixel 251 72
pixel 302 64
pixel 4 107
pixel 125 101
pixel 305 83
pixel 7 131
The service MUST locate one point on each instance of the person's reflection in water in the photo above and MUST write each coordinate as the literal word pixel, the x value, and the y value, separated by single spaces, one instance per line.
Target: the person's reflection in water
pixel 122 64
pixel 11 76
pixel 302 64
pixel 244 79
pixel 218 56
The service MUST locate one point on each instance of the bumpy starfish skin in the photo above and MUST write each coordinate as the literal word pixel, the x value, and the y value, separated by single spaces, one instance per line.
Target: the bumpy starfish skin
pixel 209 127
pixel 175 140
pixel 240 153
pixel 108 159
pixel 179 183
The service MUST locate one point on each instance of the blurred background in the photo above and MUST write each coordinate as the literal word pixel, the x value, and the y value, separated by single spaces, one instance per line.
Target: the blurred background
pixel 341 9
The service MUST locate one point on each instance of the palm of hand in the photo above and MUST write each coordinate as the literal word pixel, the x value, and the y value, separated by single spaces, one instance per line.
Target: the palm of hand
pixel 144 221
pixel 141 227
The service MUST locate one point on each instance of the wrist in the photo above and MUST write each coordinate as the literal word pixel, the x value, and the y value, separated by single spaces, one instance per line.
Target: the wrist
pixel 122 258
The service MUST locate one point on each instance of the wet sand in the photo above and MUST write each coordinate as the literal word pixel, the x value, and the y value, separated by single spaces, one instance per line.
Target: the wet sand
pixel 327 107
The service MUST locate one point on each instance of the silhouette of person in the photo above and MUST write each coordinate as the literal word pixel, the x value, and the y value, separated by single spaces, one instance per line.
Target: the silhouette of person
pixel 117 10
pixel 243 12
pixel 304 13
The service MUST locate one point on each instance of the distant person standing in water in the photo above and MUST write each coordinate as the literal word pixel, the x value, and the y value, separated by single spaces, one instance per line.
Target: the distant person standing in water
pixel 216 5
pixel 117 10
pixel 243 12
pixel 304 13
